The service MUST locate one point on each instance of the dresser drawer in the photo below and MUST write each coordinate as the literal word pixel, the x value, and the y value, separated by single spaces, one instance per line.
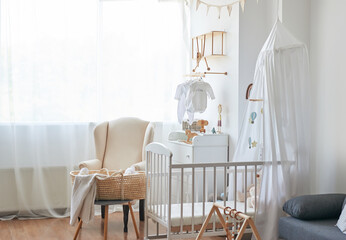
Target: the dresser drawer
pixel 182 153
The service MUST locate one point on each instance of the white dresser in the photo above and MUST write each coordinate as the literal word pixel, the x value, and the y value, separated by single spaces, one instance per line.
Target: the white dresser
pixel 204 148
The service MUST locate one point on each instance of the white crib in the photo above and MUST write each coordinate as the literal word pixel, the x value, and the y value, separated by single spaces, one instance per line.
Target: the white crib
pixel 180 196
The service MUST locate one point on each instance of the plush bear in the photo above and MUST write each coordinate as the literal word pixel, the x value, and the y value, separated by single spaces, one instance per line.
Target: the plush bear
pixel 250 193
pixel 254 197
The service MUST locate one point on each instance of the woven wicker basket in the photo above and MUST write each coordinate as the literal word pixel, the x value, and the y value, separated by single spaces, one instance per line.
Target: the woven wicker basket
pixel 118 186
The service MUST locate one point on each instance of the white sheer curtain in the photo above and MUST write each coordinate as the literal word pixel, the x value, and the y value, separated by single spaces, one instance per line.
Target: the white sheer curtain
pixel 66 64
pixel 276 126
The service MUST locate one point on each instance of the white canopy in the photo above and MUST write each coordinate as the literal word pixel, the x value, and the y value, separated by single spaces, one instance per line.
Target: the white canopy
pixel 276 126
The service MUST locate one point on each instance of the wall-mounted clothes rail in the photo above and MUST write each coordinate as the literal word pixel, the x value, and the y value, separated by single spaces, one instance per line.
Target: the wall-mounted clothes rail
pixel 202 74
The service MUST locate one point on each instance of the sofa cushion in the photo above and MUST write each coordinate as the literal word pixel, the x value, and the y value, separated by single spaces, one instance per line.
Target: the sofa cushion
pixel 295 229
pixel 310 207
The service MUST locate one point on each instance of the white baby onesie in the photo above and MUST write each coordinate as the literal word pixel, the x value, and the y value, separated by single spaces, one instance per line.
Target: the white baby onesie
pixel 196 100
pixel 180 95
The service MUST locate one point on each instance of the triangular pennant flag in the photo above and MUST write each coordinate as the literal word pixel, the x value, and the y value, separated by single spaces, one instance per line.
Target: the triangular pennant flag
pixel 198 2
pixel 229 9
pixel 219 9
pixel 207 10
pixel 242 4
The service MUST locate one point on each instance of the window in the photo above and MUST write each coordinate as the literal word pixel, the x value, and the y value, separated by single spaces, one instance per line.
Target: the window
pixel 85 60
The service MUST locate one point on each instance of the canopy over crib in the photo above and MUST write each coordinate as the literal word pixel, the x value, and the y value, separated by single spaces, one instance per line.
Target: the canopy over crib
pixel 276 126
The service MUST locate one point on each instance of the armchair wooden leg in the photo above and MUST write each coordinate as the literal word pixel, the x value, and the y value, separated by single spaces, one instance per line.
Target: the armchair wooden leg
pixel 133 220
pixel 78 228
pixel 126 216
pixel 141 209
pixel 102 211
pixel 105 232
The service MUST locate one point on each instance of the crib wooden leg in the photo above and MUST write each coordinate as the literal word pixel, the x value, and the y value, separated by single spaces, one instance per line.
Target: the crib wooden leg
pixel 126 216
pixel 78 228
pixel 133 220
pixel 141 209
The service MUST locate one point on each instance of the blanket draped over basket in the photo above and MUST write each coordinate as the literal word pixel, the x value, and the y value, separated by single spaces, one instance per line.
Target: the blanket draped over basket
pixel 114 185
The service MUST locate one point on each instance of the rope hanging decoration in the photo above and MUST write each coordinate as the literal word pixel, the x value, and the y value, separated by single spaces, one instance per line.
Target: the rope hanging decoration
pixel 219 7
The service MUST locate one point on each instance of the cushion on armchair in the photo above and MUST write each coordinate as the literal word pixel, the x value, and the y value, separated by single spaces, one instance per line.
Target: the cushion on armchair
pixel 311 207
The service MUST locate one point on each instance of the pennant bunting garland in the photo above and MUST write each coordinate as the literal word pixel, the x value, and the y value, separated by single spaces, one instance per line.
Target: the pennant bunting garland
pixel 229 9
pixel 198 2
pixel 219 7
pixel 242 4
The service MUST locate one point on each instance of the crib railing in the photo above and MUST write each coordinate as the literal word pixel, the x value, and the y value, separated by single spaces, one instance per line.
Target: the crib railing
pixel 189 191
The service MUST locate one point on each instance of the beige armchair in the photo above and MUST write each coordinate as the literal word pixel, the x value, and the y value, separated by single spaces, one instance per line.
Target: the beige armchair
pixel 120 144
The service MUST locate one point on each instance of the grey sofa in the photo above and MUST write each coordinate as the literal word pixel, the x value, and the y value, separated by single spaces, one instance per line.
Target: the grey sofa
pixel 312 217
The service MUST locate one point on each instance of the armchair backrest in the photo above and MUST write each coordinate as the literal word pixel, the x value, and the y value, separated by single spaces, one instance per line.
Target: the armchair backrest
pixel 121 143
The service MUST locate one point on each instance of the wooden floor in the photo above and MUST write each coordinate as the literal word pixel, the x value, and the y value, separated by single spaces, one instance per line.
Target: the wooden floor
pixel 56 229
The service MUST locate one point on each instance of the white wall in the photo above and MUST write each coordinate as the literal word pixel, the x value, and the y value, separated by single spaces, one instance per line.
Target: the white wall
pixel 328 73
pixel 255 24
pixel 225 87
pixel 246 34
pixel 296 17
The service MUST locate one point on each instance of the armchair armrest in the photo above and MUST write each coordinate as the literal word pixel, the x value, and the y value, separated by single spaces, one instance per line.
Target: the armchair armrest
pixel 93 164
pixel 139 166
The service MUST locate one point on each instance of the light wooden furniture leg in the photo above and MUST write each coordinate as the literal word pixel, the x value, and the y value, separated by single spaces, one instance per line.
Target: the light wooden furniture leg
pixel 133 220
pixel 78 228
pixel 254 229
pixel 242 229
pixel 205 224
pixel 223 223
pixel 105 232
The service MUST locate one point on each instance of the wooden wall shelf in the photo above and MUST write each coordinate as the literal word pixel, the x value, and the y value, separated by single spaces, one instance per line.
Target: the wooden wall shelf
pixel 210 44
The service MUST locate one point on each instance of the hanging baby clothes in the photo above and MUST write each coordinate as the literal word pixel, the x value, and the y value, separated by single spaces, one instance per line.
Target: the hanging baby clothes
pixel 180 95
pixel 196 100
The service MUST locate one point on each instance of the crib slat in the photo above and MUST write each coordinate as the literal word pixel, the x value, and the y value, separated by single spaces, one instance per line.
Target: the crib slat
pixel 255 189
pixel 245 203
pixel 161 184
pixel 169 222
pixel 193 201
pixel 224 185
pixel 156 185
pixel 146 233
pixel 203 193
pixel 151 182
pixel 166 187
pixel 181 200
pixel 235 187
pixel 214 193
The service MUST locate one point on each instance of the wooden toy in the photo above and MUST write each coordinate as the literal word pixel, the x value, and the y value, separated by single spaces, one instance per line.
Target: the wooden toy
pixel 239 222
pixel 202 123
pixel 189 135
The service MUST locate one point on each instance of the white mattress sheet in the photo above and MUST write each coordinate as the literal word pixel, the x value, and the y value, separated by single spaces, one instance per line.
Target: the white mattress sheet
pixel 198 212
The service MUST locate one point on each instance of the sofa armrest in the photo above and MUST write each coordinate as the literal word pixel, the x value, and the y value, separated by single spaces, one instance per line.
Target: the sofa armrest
pixel 139 166
pixel 93 164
